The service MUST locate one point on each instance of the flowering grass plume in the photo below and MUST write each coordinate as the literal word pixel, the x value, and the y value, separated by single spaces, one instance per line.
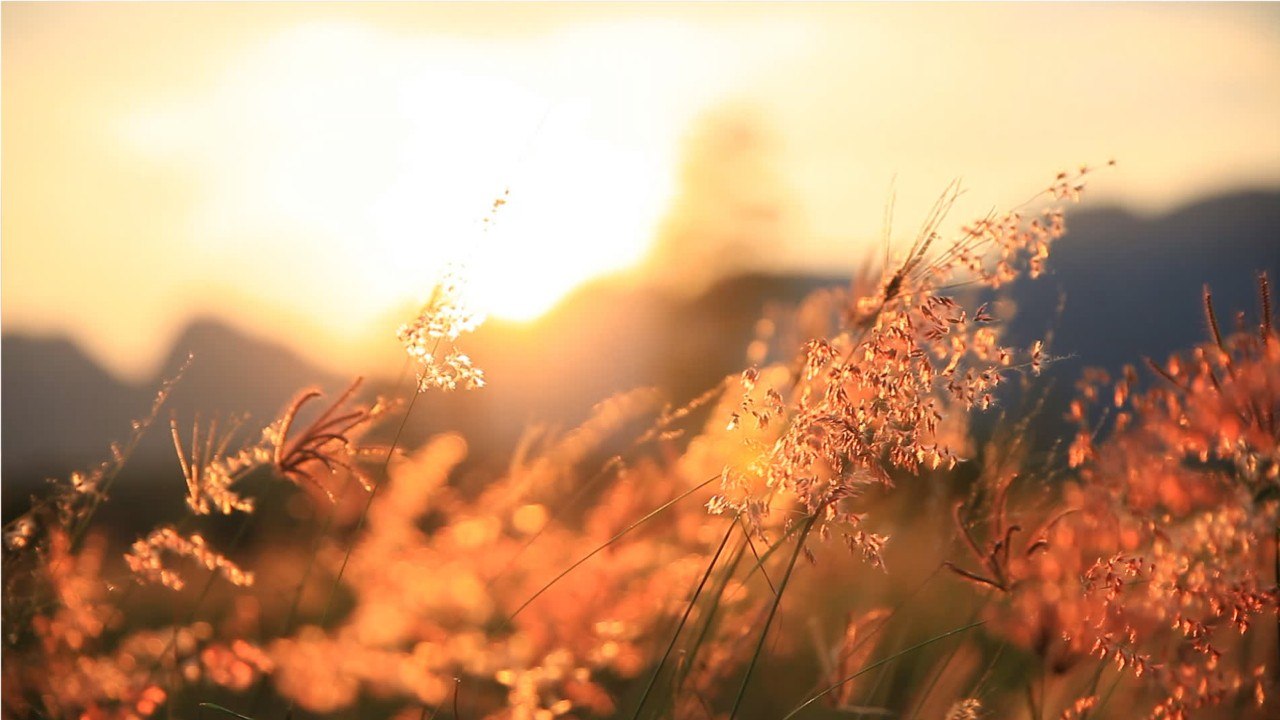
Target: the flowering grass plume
pixel 430 339
pixel 645 562
pixel 867 398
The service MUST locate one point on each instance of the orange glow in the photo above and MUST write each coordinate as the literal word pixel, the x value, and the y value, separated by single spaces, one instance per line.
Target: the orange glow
pixel 391 156
pixel 325 161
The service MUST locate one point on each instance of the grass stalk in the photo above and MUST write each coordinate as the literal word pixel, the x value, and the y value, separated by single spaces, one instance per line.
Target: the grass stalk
pixel 688 610
pixel 773 611
pixel 622 533
pixel 878 663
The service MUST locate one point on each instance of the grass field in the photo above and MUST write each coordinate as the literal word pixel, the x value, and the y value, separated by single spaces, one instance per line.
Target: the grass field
pixel 823 535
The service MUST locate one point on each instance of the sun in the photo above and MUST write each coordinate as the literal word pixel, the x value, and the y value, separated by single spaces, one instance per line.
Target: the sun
pixel 374 166
pixel 583 205
pixel 572 205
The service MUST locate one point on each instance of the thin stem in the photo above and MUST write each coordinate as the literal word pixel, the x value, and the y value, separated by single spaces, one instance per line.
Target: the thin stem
pixel 1110 691
pixel 971 575
pixel 1164 374
pixel 746 533
pixel 1093 687
pixel 693 601
pixel 296 604
pixel 877 664
pixel 221 709
pixel 991 666
pixel 118 460
pixel 1264 297
pixel 1212 318
pixel 936 676
pixel 773 610
pixel 964 533
pixel 881 625
pixel 172 643
pixel 609 542
pixel 364 515
pixel 690 654
pixel 583 490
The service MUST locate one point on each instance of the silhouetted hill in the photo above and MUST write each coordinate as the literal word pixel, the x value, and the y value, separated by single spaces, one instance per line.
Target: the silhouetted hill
pixel 56 401
pixel 1131 286
pixel 1121 287
pixel 232 372
pixel 62 411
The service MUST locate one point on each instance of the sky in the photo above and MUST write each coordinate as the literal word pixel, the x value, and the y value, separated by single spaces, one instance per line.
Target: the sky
pixel 306 171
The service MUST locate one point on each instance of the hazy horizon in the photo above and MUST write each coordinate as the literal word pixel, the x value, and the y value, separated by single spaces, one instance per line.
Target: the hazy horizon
pixel 305 170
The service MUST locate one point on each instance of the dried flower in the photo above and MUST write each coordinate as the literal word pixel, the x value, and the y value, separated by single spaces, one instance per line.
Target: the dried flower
pixel 430 339
pixel 146 559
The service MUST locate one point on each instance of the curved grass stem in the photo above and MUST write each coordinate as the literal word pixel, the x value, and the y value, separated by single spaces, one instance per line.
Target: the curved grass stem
pixel 654 513
pixel 879 663
pixel 773 611
pixel 684 619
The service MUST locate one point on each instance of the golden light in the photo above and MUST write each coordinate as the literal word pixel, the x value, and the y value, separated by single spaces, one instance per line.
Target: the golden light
pixel 582 205
pixel 379 164
pixel 317 165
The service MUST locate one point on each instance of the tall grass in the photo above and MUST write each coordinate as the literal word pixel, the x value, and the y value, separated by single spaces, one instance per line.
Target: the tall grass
pixel 1132 574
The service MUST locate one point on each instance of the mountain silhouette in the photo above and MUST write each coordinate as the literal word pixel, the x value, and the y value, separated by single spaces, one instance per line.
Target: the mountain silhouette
pixel 55 401
pixel 1131 286
pixel 62 411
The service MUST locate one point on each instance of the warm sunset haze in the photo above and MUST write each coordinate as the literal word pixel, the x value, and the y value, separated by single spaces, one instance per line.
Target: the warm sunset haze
pixel 640 361
pixel 305 171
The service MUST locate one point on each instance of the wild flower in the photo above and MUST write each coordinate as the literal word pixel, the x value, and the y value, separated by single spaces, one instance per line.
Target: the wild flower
pixel 1155 559
pixel 209 473
pixel 1179 509
pixel 868 400
pixel 1079 708
pixel 146 558
pixel 967 709
pixel 411 632
pixel 329 442
pixel 64 671
pixel 430 339
pixel 58 604
pixel 588 579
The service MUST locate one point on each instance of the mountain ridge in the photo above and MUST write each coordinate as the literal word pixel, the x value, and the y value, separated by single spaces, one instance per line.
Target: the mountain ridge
pixel 1132 286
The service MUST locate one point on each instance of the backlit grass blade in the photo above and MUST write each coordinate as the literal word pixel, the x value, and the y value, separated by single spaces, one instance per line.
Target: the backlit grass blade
pixel 877 664
pixel 654 513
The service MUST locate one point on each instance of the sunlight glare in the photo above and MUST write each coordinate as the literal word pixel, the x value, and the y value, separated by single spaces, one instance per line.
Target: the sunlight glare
pixel 528 223
pixel 381 161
